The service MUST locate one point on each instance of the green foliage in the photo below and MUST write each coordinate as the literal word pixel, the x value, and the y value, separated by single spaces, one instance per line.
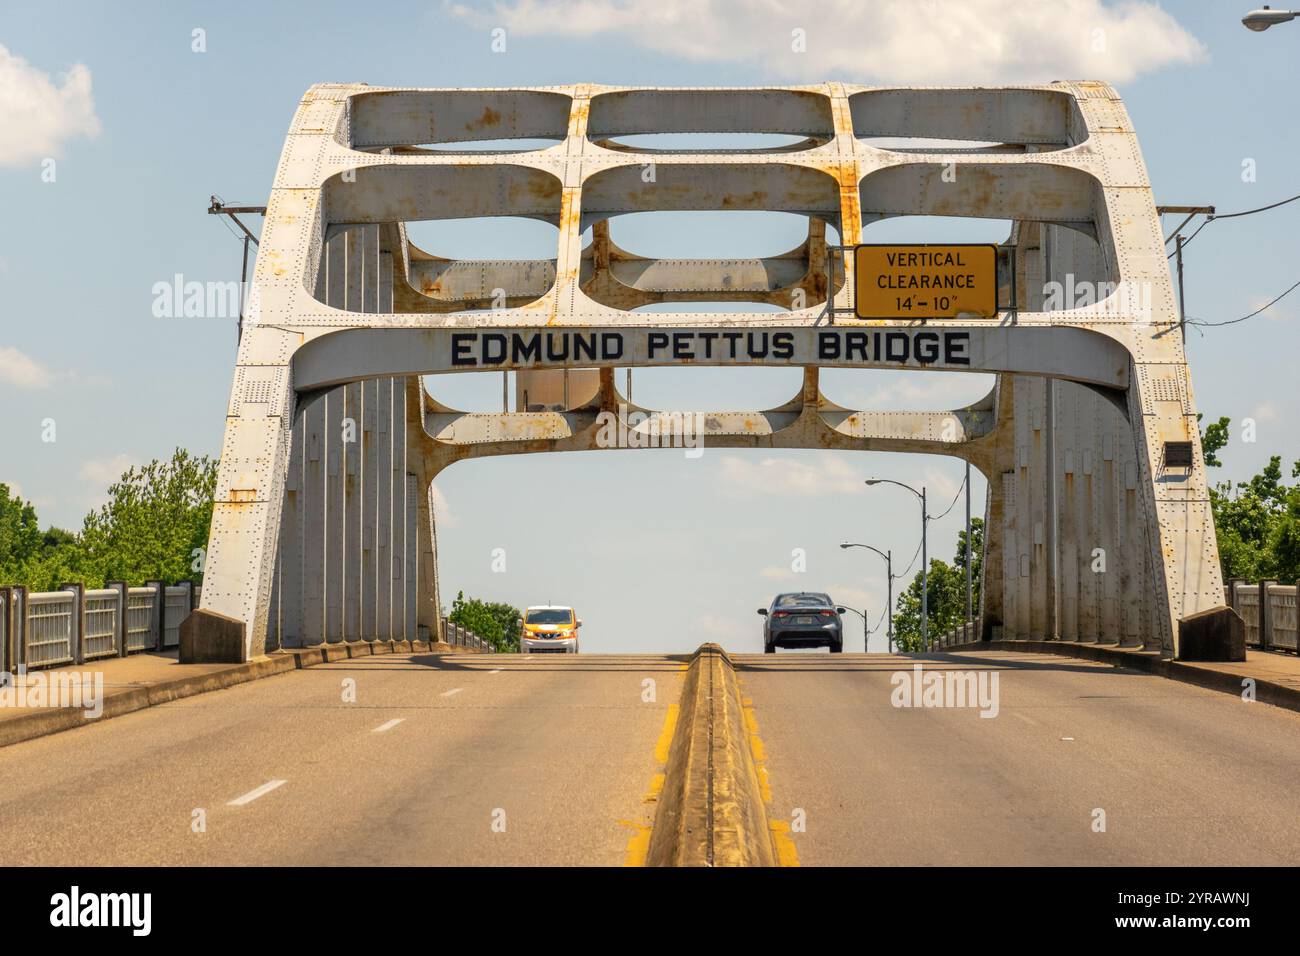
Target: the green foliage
pixel 155 524
pixel 20 535
pixel 155 521
pixel 497 623
pixel 511 621
pixel 1258 524
pixel 1214 438
pixel 945 594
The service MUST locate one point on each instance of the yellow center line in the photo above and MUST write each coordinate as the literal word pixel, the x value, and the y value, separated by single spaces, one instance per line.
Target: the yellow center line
pixel 666 735
pixel 782 843
pixel 638 844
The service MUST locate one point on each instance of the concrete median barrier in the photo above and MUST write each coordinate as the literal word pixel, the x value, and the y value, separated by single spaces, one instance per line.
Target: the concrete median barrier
pixel 711 811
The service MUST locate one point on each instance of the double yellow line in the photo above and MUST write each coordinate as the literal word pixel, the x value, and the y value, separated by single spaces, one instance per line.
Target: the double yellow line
pixel 712 792
pixel 638 845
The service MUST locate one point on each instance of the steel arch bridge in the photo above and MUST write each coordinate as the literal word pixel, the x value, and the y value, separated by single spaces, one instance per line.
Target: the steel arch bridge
pixel 322 528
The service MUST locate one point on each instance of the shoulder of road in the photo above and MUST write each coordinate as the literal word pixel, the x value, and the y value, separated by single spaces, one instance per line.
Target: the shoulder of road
pixel 143 680
pixel 1273 677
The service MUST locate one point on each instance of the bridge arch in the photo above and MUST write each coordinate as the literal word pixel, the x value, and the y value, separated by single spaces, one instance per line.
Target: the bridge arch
pixel 1089 437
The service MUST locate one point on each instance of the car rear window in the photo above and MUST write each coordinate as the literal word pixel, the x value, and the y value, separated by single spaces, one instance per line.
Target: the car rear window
pixel 803 600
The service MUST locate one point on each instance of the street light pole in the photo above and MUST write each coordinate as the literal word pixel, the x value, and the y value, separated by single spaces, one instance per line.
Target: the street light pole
pixel 866 629
pixel 970 594
pixel 925 576
pixel 889 597
pixel 925 556
pixel 889 590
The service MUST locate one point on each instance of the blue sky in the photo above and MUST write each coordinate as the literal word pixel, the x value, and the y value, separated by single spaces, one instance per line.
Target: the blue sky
pixel 657 552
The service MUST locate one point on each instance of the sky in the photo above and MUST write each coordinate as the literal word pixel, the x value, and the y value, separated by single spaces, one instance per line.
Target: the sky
pixel 115 130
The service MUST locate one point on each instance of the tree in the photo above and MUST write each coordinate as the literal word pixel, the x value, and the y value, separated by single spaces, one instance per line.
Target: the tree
pixel 1257 522
pixel 977 534
pixel 155 524
pixel 511 621
pixel 20 536
pixel 1214 438
pixel 945 596
pixel 488 621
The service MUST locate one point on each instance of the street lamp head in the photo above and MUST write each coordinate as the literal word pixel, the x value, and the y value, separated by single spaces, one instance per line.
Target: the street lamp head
pixel 845 546
pixel 872 481
pixel 1265 17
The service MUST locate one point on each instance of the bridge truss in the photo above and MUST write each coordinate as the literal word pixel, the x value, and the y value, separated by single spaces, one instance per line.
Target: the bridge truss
pixel 322 529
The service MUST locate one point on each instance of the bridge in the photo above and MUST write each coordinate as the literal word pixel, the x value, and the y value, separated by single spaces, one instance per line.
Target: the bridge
pixel 322 529
pixel 1082 713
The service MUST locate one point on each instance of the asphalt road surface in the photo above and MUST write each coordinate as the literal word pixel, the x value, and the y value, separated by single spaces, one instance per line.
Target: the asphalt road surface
pixel 465 759
pixel 499 760
pixel 1185 776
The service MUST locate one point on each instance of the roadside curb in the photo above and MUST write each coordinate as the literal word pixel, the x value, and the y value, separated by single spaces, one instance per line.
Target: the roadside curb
pixel 51 721
pixel 1266 691
pixel 711 810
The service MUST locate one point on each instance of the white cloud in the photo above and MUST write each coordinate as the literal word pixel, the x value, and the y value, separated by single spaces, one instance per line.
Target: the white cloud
pixel 105 471
pixel 826 474
pixel 906 41
pixel 1265 412
pixel 1278 313
pixel 720 627
pixel 914 391
pixel 37 115
pixel 22 371
pixel 442 515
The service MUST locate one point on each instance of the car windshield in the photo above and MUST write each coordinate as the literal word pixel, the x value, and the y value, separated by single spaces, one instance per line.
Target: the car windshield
pixel 803 600
pixel 560 615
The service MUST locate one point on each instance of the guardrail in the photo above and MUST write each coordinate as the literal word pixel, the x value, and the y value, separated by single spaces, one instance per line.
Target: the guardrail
pixel 1269 609
pixel 74 625
pixel 463 637
pixel 963 634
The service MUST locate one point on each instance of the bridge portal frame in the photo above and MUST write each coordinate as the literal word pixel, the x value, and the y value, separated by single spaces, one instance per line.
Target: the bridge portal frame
pixel 1061 162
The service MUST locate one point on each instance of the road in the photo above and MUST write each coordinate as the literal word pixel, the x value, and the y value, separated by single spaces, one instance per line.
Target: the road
pixel 494 760
pixel 501 760
pixel 1185 776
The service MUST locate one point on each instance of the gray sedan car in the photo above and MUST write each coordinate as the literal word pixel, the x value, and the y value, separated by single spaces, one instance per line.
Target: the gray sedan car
pixel 802 619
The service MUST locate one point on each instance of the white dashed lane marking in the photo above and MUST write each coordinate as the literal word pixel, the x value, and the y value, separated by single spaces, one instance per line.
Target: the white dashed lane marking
pixel 452 692
pixel 389 725
pixel 261 791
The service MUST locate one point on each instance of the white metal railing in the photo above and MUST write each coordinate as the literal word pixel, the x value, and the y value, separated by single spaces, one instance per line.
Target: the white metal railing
pixel 963 633
pixel 139 619
pixel 462 637
pixel 103 609
pixel 50 627
pixel 1246 602
pixel 176 606
pixel 1269 611
pixel 1283 630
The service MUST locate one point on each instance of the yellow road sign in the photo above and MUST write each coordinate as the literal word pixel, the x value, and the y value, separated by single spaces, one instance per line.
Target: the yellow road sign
pixel 925 282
